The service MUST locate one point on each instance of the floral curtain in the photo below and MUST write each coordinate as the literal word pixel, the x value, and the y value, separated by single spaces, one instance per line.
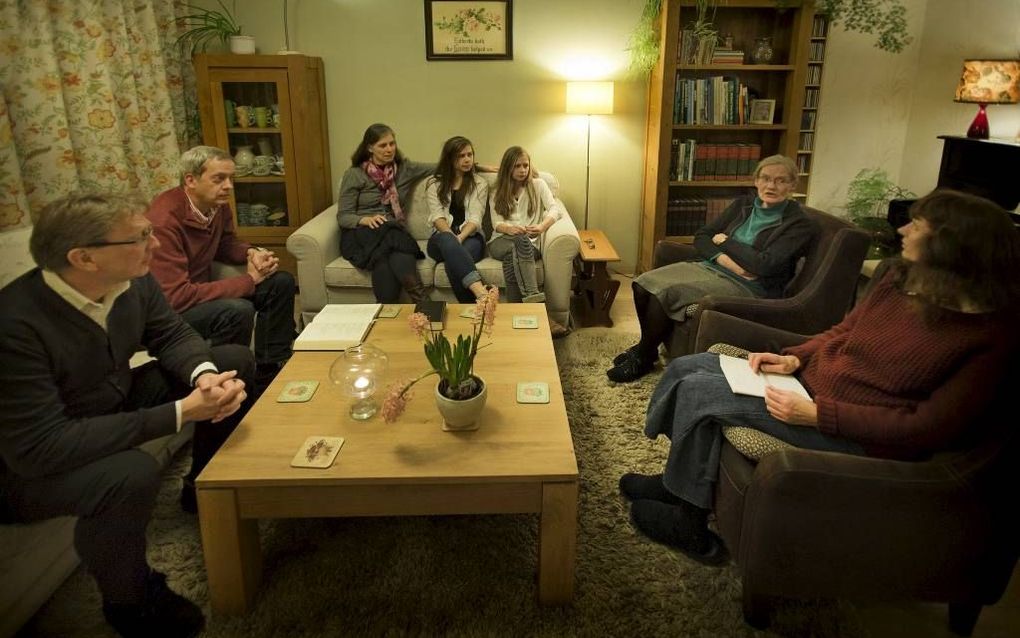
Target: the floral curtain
pixel 93 96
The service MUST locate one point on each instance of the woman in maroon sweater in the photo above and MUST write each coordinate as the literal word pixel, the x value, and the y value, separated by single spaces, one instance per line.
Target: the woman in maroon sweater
pixel 897 378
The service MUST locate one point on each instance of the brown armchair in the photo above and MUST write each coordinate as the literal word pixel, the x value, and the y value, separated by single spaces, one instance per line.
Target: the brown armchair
pixel 803 523
pixel 817 298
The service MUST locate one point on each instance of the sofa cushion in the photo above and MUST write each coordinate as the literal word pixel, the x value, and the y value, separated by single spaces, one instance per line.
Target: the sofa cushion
pixel 341 273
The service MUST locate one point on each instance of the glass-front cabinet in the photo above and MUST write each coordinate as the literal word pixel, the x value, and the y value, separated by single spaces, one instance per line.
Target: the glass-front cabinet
pixel 268 112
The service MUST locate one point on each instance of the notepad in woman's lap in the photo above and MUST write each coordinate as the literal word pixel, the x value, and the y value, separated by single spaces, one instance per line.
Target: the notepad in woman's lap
pixel 338 327
pixel 743 380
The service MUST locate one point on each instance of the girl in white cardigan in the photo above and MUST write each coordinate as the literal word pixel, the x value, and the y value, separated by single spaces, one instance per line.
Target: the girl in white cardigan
pixel 522 209
pixel 456 197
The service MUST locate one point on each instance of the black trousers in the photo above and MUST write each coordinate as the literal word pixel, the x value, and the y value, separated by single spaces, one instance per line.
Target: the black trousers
pixel 113 497
pixel 224 321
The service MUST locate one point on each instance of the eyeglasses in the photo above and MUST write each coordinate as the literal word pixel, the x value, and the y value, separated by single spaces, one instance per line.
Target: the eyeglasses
pixel 777 181
pixel 143 238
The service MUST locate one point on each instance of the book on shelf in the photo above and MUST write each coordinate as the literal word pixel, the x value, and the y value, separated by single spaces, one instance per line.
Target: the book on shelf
pixel 743 380
pixel 434 310
pixel 338 327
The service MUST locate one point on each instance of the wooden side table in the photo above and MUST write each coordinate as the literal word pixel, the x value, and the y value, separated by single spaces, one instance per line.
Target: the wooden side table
pixel 594 290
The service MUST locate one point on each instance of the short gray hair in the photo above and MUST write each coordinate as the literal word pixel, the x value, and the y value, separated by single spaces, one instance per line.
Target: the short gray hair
pixel 193 160
pixel 779 160
pixel 74 221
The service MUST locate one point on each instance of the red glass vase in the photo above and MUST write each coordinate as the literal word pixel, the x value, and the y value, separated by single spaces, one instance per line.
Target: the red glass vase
pixel 979 127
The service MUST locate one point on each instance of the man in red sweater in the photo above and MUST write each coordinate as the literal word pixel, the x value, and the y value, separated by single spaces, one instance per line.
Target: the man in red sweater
pixel 194 226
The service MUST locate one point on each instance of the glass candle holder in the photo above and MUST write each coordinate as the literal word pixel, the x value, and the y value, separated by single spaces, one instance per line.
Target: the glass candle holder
pixel 358 373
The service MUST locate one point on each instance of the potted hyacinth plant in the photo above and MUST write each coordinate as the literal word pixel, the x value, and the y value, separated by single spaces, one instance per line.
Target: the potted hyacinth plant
pixel 460 393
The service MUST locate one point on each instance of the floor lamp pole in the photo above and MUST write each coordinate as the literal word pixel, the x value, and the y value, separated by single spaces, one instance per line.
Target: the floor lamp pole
pixel 587 171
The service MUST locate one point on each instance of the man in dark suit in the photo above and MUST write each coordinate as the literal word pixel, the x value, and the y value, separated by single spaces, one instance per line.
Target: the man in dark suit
pixel 74 411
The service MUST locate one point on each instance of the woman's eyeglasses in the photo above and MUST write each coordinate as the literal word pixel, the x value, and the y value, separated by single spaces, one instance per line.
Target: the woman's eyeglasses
pixel 143 238
pixel 777 181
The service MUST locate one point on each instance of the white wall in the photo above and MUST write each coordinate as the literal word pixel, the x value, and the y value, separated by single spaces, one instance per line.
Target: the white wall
pixel 877 109
pixel 373 52
pixel 887 110
pixel 955 30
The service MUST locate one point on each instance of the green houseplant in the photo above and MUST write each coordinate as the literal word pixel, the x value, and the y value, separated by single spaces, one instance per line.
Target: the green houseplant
pixel 868 197
pixel 885 18
pixel 206 26
pixel 452 362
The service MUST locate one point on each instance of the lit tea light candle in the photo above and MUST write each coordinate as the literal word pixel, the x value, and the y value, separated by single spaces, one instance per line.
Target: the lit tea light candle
pixel 361 383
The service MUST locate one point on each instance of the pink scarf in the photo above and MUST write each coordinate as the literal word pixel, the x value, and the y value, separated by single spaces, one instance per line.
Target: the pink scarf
pixel 383 178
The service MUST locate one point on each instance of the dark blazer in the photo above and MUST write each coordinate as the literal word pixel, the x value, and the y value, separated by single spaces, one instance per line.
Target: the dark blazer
pixel 64 381
pixel 776 249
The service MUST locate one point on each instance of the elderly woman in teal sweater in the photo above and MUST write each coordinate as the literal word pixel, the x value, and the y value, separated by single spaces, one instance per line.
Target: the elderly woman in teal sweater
pixel 751 250
pixel 899 377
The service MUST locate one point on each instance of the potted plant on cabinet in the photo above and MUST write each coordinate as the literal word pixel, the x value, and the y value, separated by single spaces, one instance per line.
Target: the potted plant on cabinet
pixel 868 197
pixel 886 18
pixel 205 26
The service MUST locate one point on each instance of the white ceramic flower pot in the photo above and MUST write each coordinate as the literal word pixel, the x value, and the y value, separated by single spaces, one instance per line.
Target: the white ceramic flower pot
pixel 242 44
pixel 461 415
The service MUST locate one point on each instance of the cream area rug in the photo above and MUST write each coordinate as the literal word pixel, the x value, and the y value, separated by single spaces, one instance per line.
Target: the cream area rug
pixel 473 575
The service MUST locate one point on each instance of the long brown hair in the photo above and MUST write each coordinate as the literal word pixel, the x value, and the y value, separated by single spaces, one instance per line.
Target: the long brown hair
pixel 446 171
pixel 971 258
pixel 504 198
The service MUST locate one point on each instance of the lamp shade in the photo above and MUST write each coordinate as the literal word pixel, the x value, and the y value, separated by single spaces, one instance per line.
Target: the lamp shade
pixel 590 98
pixel 989 82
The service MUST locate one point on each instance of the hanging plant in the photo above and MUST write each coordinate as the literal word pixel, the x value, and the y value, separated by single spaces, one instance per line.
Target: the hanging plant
pixel 886 18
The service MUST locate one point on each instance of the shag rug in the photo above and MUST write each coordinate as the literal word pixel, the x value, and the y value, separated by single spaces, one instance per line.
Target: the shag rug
pixel 472 575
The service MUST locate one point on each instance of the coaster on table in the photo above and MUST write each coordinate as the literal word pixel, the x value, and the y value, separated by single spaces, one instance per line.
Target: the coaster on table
pixel 533 392
pixel 297 392
pixel 318 451
pixel 526 322
pixel 389 311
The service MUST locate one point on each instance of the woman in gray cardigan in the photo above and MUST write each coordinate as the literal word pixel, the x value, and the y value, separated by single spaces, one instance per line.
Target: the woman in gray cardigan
pixel 373 226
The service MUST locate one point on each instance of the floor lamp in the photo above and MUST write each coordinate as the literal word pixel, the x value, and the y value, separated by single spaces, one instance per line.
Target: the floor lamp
pixel 589 98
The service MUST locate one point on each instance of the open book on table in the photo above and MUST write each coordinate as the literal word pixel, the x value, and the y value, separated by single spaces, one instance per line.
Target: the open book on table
pixel 338 327
pixel 743 380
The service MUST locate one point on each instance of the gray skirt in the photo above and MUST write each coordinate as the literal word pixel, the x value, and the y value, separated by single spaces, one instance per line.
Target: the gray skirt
pixel 678 285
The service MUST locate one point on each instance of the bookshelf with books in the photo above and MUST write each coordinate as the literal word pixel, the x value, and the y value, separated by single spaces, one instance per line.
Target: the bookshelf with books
pixel 714 110
pixel 809 110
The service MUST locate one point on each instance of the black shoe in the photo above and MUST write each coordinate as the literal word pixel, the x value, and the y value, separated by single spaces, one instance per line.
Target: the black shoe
pixel 626 354
pixel 189 502
pixel 630 370
pixel 676 527
pixel 162 614
pixel 637 487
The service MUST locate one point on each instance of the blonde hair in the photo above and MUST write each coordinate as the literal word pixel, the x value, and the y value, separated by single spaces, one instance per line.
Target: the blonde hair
pixel 504 197
pixel 778 160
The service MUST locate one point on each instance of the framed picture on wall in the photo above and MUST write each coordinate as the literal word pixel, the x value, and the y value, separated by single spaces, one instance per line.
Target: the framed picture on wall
pixel 761 112
pixel 469 30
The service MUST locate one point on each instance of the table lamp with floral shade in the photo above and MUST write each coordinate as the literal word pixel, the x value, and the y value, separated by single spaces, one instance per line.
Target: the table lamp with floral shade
pixel 985 82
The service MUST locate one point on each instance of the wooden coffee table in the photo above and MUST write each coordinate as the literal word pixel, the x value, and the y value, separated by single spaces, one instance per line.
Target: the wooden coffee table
pixel 521 459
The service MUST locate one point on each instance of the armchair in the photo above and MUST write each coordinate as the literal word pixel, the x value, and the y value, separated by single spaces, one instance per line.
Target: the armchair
pixel 804 523
pixel 817 297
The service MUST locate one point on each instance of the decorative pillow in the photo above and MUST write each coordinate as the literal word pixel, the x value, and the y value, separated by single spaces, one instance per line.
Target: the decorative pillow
pixel 752 443
pixel 725 348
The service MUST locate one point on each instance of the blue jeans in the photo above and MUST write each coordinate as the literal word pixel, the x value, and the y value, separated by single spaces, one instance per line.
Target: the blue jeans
pixel 460 261
pixel 691 403
pixel 225 321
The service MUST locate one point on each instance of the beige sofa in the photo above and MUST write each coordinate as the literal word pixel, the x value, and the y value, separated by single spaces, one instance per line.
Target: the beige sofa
pixel 36 558
pixel 325 277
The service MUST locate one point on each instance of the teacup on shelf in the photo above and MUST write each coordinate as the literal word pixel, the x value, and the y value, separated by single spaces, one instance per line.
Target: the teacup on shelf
pixel 277 218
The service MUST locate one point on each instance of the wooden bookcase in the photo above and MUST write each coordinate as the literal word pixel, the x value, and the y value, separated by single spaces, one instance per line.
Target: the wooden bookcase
pixel 287 198
pixel 812 97
pixel 783 79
